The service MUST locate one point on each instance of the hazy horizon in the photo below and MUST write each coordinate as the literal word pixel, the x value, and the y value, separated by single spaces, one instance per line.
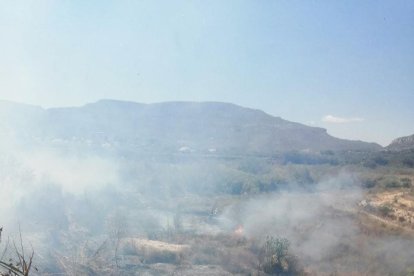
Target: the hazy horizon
pixel 181 101
pixel 344 66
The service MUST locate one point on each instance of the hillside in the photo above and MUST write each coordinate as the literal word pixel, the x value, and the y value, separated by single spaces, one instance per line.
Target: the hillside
pixel 127 191
pixel 204 128
pixel 402 143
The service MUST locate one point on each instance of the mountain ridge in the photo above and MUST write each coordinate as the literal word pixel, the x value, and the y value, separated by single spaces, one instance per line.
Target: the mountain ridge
pixel 171 126
pixel 402 143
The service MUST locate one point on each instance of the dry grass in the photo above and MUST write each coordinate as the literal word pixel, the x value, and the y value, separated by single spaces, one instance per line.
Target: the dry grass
pixel 152 251
pixel 398 204
pixel 18 263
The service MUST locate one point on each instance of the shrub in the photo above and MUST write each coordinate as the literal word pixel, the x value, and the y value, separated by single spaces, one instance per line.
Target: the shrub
pixel 385 210
pixel 379 160
pixel 408 162
pixel 303 177
pixel 275 258
pixel 392 184
pixel 369 164
pixel 369 183
pixel 405 182
pixel 20 265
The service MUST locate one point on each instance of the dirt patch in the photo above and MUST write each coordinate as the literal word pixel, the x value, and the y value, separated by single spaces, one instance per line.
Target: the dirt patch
pixel 396 207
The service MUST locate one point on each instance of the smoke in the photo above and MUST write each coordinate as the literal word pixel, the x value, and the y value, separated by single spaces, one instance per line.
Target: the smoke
pixel 23 173
pixel 289 212
pixel 62 200
pixel 74 174
pixel 46 192
pixel 323 228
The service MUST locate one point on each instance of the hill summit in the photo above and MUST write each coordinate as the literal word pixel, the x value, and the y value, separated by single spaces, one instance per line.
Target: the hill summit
pixel 402 143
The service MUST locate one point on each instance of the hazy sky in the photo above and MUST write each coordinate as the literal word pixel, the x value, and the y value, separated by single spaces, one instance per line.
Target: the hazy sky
pixel 347 66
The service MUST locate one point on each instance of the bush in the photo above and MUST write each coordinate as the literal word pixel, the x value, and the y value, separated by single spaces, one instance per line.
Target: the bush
pixel 369 183
pixel 369 164
pixel 392 184
pixel 379 160
pixel 19 265
pixel 408 162
pixel 303 177
pixel 405 182
pixel 385 210
pixel 275 258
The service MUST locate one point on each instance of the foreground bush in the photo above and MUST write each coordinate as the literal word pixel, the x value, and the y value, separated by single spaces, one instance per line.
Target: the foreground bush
pixel 19 265
pixel 275 258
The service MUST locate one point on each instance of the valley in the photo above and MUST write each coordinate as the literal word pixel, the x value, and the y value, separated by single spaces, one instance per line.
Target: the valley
pixel 101 203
